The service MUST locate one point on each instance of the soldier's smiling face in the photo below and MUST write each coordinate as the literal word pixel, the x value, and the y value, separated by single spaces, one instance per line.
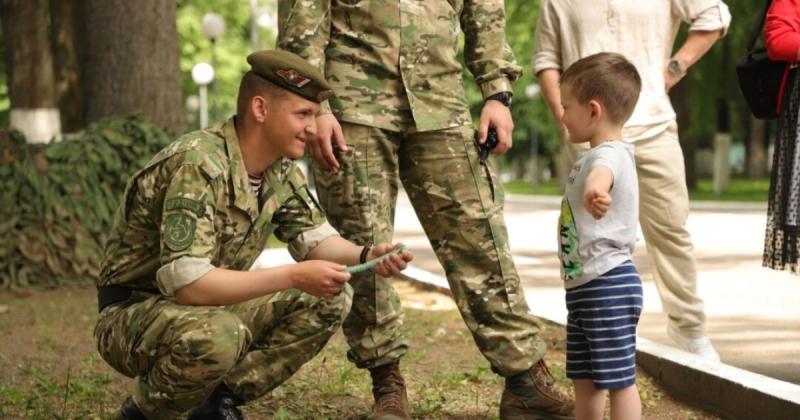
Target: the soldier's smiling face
pixel 292 122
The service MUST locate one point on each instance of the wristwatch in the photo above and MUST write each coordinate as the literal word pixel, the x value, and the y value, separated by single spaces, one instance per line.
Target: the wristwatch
pixel 502 97
pixel 676 68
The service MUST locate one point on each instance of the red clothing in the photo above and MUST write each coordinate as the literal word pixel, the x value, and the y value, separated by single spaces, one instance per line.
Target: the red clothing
pixel 782 35
pixel 782 30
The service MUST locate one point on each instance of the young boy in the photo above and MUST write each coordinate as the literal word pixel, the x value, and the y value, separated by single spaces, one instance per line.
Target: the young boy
pixel 597 234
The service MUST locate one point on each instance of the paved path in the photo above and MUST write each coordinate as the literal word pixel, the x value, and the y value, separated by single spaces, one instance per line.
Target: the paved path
pixel 753 313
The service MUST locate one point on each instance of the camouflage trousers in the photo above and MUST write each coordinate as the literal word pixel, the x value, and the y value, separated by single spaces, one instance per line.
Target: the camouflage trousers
pixel 178 354
pixel 459 203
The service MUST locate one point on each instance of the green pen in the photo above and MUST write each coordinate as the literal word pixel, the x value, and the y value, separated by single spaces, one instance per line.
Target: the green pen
pixel 360 268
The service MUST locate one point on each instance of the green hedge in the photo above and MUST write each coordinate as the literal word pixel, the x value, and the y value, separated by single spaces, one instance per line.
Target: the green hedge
pixel 57 201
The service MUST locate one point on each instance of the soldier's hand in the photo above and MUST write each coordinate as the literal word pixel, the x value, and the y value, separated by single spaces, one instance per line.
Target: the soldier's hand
pixel 319 278
pixel 392 264
pixel 497 115
pixel 321 146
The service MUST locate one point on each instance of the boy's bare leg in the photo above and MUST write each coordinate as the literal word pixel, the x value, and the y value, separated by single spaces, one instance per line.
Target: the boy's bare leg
pixel 590 402
pixel 625 404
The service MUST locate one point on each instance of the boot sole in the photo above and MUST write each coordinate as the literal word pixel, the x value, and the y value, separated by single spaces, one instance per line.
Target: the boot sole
pixel 522 414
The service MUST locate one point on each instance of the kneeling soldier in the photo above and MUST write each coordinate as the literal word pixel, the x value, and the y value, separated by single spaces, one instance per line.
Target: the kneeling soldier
pixel 179 310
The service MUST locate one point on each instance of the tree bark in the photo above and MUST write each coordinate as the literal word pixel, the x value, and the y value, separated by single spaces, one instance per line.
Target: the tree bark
pixel 29 65
pixel 757 149
pixel 67 29
pixel 132 60
pixel 29 69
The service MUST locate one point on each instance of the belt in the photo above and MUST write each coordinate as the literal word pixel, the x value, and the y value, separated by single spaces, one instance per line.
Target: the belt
pixel 107 295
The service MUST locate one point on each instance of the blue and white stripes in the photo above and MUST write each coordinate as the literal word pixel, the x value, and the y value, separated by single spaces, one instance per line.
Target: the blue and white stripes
pixel 601 328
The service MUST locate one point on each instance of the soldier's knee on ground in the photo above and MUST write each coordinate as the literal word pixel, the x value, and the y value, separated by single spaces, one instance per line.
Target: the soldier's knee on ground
pixel 214 346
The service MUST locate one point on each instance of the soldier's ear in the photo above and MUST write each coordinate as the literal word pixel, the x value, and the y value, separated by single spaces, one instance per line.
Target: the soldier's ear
pixel 259 108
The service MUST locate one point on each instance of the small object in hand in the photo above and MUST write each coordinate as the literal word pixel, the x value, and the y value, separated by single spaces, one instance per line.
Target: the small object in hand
pixel 487 146
pixel 355 269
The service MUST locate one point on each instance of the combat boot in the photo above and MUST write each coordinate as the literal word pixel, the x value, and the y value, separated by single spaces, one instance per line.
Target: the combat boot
pixel 220 405
pixel 389 390
pixel 130 411
pixel 534 394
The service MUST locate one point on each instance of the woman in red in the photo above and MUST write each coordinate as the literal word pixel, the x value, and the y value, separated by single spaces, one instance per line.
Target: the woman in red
pixel 782 35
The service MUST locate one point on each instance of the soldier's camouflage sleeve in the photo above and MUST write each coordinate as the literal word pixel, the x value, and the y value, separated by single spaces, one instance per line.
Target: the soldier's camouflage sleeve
pixel 300 221
pixel 188 237
pixel 486 52
pixel 304 28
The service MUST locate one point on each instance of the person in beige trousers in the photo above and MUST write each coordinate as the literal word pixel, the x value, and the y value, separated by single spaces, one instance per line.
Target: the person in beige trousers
pixel 568 30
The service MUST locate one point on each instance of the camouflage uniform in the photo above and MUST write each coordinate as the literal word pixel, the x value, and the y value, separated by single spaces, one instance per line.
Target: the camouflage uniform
pixel 189 210
pixel 400 98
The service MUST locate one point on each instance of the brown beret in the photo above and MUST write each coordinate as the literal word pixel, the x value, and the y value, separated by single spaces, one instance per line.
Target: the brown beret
pixel 291 72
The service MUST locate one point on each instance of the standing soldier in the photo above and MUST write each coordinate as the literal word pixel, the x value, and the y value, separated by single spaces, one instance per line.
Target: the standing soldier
pixel 179 312
pixel 400 115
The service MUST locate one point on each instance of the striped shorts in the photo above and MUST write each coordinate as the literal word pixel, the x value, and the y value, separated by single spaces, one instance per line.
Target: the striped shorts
pixel 601 328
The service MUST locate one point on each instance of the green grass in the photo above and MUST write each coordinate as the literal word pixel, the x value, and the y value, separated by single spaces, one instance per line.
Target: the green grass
pixel 524 187
pixel 50 369
pixel 739 189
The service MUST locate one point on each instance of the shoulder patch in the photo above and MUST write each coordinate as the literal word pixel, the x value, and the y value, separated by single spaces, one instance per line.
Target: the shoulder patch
pixel 178 231
pixel 194 206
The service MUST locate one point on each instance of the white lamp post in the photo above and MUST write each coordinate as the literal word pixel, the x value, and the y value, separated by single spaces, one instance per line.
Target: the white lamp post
pixel 260 17
pixel 532 92
pixel 203 74
pixel 213 28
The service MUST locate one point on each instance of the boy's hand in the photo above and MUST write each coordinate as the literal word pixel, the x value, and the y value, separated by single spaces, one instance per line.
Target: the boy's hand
pixel 596 202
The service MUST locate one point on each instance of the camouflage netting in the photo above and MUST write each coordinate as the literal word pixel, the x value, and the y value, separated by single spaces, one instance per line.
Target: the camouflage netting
pixel 57 201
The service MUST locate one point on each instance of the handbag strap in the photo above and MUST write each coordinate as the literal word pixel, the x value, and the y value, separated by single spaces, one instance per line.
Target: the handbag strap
pixel 756 33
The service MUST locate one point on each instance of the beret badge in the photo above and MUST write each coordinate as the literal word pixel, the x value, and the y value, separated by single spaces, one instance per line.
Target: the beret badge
pixel 293 78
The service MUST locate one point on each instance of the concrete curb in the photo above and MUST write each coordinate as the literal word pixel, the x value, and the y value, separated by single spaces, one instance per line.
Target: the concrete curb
pixel 725 390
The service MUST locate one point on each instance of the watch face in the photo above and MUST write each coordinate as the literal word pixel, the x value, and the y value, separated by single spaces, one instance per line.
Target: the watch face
pixel 675 68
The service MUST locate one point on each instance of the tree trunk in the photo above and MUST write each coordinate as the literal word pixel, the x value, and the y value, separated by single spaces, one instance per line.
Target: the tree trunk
pixel 681 100
pixel 131 60
pixel 757 149
pixel 67 29
pixel 29 69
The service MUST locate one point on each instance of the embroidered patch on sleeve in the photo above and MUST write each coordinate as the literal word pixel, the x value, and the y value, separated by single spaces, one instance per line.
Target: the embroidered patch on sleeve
pixel 194 206
pixel 178 231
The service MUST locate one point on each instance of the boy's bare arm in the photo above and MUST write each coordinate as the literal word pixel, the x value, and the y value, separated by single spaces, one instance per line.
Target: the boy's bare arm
pixel 596 198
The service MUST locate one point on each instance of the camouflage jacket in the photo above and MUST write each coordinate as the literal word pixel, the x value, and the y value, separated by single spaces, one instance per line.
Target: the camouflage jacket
pixel 393 64
pixel 192 208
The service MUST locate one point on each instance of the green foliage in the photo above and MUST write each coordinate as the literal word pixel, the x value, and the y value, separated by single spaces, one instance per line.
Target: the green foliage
pixel 230 50
pixel 713 78
pixel 59 199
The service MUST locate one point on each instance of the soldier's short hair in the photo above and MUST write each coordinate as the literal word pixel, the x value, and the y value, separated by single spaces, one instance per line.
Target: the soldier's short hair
pixel 253 85
pixel 608 78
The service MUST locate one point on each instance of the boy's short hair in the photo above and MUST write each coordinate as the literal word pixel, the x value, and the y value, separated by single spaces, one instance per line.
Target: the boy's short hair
pixel 608 78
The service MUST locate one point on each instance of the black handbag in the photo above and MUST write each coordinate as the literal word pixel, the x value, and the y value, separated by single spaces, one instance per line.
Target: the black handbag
pixel 759 77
